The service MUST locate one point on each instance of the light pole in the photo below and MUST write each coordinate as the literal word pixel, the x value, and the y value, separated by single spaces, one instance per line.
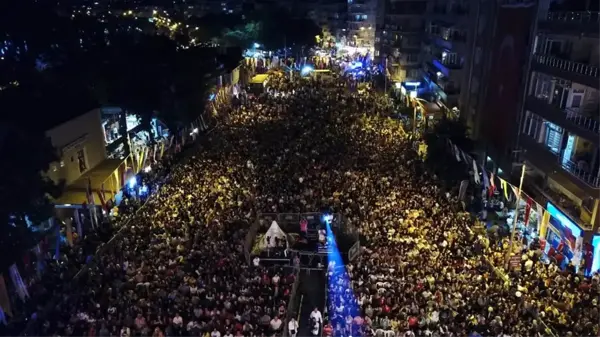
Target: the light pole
pixel 515 219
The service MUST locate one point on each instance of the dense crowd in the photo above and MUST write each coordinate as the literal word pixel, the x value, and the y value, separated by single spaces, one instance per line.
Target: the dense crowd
pixel 178 268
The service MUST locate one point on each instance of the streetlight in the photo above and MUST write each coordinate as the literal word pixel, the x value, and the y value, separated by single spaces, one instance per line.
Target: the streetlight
pixel 515 219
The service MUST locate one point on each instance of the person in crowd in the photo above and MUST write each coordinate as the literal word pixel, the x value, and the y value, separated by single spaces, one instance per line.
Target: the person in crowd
pixel 293 327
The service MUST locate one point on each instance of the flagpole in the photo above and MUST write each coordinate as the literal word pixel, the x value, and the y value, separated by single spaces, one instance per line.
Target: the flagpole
pixel 515 219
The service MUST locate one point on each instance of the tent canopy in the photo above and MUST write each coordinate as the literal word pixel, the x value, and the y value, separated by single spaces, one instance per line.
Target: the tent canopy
pixel 274 232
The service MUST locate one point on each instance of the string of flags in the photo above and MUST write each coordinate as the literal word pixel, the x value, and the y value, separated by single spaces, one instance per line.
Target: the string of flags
pixel 509 191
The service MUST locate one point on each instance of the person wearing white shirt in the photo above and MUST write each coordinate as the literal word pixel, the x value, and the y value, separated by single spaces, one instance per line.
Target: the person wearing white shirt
pixel 316 314
pixel 177 320
pixel 276 324
pixel 293 327
pixel 256 261
pixel 215 333
pixel 318 319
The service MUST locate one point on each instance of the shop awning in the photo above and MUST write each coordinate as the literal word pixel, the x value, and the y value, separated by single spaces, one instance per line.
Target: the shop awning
pixel 103 173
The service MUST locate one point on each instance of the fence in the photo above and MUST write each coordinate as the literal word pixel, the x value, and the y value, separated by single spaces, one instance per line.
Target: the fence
pixel 292 303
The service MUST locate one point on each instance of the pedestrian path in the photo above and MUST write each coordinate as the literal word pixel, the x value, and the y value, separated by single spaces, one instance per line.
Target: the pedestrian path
pixel 312 287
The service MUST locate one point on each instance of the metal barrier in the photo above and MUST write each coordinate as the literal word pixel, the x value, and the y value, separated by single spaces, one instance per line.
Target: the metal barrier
pixel 292 303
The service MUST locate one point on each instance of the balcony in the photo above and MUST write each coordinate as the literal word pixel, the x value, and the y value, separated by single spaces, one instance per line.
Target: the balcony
pixel 573 22
pixel 579 182
pixel 573 121
pixel 574 71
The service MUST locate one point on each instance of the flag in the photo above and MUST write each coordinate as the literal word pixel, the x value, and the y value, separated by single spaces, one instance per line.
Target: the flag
pixel 540 214
pixel 69 225
pixel 504 187
pixel 91 203
pixel 20 287
pixel 162 149
pixel 4 299
pixel 171 141
pixel 457 153
pixel 527 210
pixel 78 223
pixel 476 173
pixel 492 184
pixel 154 153
pixel 486 181
pixel 544 225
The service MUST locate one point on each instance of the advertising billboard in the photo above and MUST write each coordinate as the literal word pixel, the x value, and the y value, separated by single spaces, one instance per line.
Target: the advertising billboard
pixel 507 69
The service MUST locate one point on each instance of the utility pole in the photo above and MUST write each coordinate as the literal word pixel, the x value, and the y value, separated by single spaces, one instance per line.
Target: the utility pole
pixel 509 249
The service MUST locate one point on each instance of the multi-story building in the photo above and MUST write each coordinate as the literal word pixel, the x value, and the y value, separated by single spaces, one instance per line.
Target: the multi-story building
pixel 398 40
pixel 362 22
pixel 330 15
pixel 447 48
pixel 560 122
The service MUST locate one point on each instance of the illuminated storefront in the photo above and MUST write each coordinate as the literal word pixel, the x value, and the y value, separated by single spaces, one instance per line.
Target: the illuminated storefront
pixel 563 236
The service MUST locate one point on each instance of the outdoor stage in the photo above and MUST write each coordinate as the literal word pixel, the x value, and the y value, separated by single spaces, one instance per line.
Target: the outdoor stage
pixel 301 238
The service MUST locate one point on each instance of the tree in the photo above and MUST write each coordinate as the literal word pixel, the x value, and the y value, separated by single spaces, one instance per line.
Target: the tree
pixel 279 28
pixel 439 157
pixel 26 193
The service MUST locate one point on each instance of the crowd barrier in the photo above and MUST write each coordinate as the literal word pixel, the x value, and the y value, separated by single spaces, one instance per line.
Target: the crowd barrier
pixel 290 311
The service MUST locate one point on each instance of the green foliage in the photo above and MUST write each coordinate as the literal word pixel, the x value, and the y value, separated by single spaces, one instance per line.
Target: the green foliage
pixel 439 156
pixel 26 153
pixel 274 28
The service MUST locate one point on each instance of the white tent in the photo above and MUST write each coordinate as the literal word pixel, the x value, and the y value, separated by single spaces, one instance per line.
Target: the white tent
pixel 274 232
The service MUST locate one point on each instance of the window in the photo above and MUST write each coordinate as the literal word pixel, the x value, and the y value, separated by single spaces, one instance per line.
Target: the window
pixel 364 17
pixel 532 125
pixel 81 161
pixel 553 137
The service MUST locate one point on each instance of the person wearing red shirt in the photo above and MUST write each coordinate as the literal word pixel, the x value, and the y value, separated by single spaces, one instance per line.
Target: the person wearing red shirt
pixel 328 329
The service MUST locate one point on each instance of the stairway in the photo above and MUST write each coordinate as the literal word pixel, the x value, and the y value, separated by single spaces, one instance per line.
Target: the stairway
pixel 312 287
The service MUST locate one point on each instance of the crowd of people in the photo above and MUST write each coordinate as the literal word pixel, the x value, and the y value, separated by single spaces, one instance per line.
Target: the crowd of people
pixel 179 268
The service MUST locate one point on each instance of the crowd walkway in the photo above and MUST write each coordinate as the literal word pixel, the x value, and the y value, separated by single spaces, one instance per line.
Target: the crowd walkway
pixel 312 288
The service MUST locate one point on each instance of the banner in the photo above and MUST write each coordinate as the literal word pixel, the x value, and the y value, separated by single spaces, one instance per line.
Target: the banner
pixel 509 52
pixel 4 299
pixel 354 251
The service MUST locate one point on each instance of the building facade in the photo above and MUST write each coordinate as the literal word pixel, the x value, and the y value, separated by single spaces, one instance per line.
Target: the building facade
pixel 400 32
pixel 559 133
pixel 449 33
pixel 362 23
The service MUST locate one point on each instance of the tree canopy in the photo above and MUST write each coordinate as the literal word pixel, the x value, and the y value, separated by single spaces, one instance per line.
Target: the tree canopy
pixel 274 28
pixel 55 63
pixel 439 158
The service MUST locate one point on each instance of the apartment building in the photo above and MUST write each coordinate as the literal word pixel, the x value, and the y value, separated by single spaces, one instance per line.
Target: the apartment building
pixel 560 125
pixel 362 22
pixel 400 31
pixel 446 48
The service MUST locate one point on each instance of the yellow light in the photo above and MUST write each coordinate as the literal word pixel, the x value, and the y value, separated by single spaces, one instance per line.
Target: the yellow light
pixel 130 12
